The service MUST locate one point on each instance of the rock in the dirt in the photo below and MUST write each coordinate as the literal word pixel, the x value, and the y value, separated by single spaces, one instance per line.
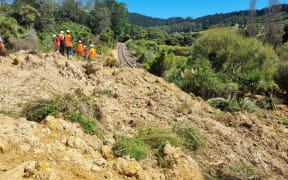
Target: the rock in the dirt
pixel 127 167
pixel 107 152
pixel 181 166
pixel 4 146
pixel 248 124
pixel 75 142
pixel 52 123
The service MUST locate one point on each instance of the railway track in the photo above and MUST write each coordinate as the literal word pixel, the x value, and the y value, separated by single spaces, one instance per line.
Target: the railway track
pixel 125 57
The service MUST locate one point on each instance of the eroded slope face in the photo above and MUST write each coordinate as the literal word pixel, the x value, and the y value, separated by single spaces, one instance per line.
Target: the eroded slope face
pixel 130 99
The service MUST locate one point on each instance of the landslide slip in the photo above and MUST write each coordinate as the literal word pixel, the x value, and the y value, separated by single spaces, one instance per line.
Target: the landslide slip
pixel 136 99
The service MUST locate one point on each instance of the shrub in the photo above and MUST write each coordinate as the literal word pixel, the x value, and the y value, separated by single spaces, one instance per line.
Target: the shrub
pixel 76 108
pixel 234 56
pixel 248 105
pixel 224 104
pixel 233 105
pixel 157 138
pixel 135 148
pixel 37 111
pixel 281 77
pixel 88 125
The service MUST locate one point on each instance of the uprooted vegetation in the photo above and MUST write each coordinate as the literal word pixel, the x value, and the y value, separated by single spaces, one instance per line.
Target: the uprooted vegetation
pixel 153 140
pixel 73 107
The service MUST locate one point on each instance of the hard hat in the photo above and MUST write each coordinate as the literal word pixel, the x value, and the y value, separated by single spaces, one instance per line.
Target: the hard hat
pixel 91 45
pixel 79 41
pixel 62 32
pixel 85 46
pixel 54 35
pixel 68 31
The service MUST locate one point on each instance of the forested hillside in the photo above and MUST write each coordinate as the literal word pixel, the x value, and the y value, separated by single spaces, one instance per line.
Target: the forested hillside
pixel 176 24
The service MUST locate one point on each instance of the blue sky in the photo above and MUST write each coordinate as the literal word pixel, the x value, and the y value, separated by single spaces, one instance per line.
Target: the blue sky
pixel 185 8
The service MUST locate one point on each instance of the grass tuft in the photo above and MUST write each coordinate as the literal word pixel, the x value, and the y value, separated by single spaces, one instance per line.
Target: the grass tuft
pixel 89 125
pixel 135 148
pixel 285 122
pixel 191 139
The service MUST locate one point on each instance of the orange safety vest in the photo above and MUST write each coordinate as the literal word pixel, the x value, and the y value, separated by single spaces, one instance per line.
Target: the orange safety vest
pixel 92 53
pixel 60 36
pixel 68 40
pixel 1 45
pixel 83 53
pixel 79 48
pixel 57 42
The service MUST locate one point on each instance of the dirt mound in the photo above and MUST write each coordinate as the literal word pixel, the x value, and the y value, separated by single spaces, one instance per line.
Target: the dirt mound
pixel 238 146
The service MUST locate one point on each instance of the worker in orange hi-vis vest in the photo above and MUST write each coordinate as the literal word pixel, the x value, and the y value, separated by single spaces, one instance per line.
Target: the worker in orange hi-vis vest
pixel 84 53
pixel 91 52
pixel 56 42
pixel 79 48
pixel 68 44
pixel 62 43
pixel 2 47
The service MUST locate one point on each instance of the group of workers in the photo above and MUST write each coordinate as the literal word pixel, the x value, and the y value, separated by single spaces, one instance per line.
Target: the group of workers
pixel 62 42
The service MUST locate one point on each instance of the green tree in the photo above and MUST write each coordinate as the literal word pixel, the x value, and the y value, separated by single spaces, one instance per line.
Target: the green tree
pixel 46 22
pixel 28 15
pixel 9 27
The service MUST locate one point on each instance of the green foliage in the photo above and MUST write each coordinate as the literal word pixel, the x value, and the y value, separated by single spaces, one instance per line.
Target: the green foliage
pixel 79 32
pixel 156 34
pixel 192 141
pixel 107 37
pixel 46 23
pixel 89 125
pixel 224 104
pixel 234 57
pixel 198 77
pixel 76 108
pixel 137 32
pixel 248 105
pixel 157 139
pixel 251 81
pixel 9 27
pixel 135 148
pixel 38 110
pixel 45 43
pixel 28 15
pixel 285 122
pixel 281 77
pixel 233 105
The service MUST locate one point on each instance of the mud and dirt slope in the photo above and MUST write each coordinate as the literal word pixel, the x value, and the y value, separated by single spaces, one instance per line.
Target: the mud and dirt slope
pixel 237 145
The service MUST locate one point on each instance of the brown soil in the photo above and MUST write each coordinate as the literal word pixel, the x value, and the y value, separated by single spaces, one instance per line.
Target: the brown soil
pixel 238 145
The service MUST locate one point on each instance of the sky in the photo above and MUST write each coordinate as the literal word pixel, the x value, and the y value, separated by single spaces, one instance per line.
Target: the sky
pixel 189 8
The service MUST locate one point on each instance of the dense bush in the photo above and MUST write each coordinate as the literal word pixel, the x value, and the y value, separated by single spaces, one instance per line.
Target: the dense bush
pixel 234 57
pixel 281 77
pixel 221 62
